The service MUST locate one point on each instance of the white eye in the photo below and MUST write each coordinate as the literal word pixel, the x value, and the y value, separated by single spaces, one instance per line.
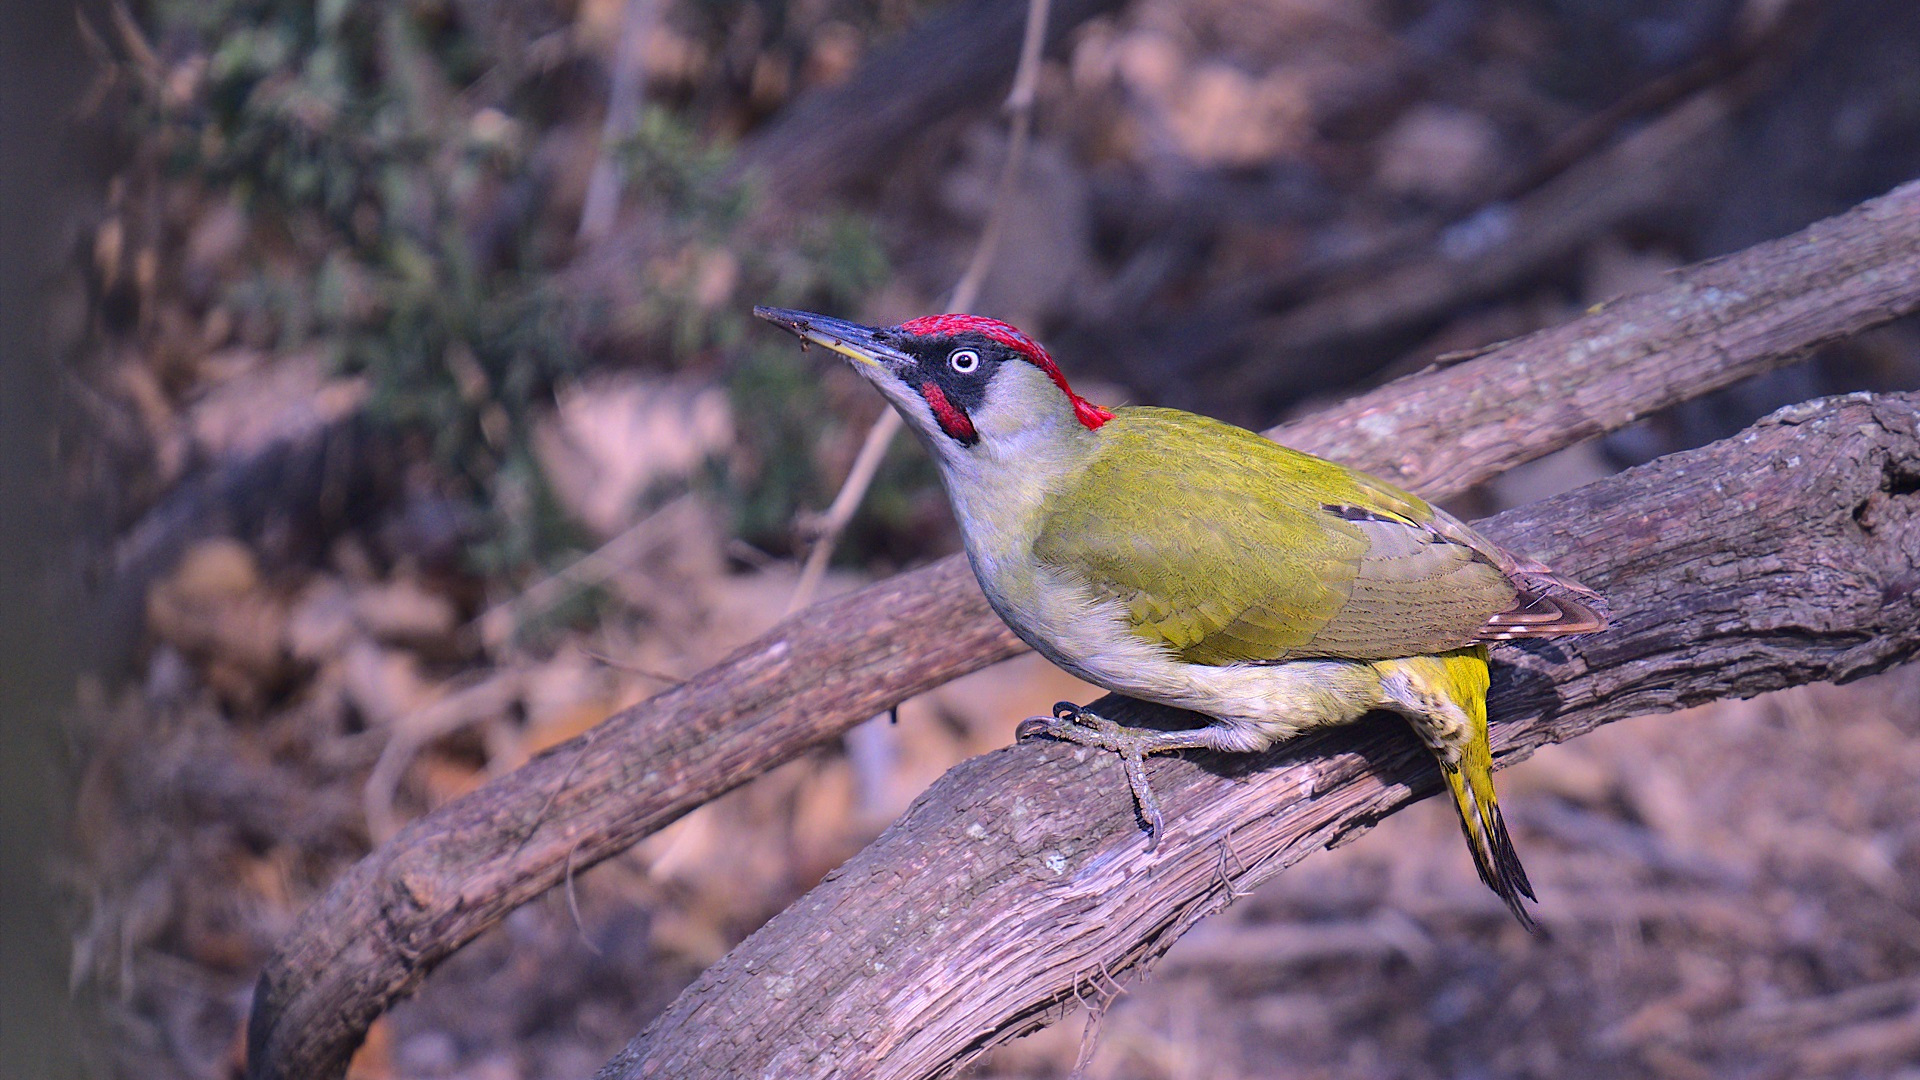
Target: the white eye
pixel 964 361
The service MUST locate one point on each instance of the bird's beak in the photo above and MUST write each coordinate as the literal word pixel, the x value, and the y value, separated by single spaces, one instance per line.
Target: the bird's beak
pixel 864 345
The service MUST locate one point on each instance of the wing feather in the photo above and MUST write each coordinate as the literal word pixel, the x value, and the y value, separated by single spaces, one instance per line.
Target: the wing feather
pixel 1271 555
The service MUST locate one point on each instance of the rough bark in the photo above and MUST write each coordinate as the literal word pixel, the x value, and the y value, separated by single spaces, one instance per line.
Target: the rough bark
pixel 1718 322
pixel 457 871
pixel 1020 880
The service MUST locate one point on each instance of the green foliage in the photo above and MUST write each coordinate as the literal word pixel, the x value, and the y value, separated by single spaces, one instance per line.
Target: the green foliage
pixel 824 261
pixel 339 126
pixel 667 164
pixel 321 107
pixel 529 527
pixel 340 121
pixel 390 164
pixel 781 415
pixel 778 410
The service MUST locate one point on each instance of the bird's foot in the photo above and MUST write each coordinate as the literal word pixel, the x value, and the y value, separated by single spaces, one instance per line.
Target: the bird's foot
pixel 1071 723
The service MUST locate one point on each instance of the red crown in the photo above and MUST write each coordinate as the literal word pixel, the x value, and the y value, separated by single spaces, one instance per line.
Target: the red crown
pixel 1084 411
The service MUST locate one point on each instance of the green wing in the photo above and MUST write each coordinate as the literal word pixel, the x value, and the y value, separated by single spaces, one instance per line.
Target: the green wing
pixel 1229 548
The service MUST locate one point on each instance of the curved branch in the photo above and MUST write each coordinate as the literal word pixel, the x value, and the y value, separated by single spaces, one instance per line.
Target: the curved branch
pixel 1443 430
pixel 1021 879
pixel 459 870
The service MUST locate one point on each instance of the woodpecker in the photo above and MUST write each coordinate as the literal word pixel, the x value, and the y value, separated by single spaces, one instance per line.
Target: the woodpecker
pixel 1181 560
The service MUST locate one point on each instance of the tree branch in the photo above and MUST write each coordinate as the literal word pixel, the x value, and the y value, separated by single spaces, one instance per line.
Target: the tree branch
pixel 459 870
pixel 1444 430
pixel 1021 879
pixel 858 130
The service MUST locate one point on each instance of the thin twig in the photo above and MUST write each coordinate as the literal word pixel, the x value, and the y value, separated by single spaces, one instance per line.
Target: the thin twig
pixel 666 679
pixel 623 106
pixel 480 701
pixel 1019 106
pixel 573 906
pixel 840 513
pixel 1090 1036
pixel 498 623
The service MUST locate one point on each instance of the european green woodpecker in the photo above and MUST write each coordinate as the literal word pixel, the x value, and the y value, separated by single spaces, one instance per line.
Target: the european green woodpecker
pixel 1181 560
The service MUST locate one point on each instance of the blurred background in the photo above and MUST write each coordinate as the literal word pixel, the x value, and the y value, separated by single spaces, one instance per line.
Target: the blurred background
pixel 383 407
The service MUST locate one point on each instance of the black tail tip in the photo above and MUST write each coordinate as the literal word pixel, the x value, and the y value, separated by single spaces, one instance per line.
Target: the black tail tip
pixel 1500 869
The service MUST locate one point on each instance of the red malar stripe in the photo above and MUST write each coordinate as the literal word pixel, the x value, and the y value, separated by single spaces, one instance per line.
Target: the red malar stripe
pixel 952 421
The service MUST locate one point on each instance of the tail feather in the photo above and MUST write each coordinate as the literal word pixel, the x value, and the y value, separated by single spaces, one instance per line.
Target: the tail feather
pixel 1470 779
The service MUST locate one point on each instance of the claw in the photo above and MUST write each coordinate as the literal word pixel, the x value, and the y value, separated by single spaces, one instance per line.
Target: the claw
pixel 1071 723
pixel 1035 727
pixel 1066 724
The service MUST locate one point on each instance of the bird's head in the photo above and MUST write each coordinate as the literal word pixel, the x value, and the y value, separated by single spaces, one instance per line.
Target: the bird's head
pixel 969 385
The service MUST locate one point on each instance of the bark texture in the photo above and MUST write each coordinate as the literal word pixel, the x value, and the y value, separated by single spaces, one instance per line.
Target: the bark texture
pixel 459 870
pixel 1021 880
pixel 1720 321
